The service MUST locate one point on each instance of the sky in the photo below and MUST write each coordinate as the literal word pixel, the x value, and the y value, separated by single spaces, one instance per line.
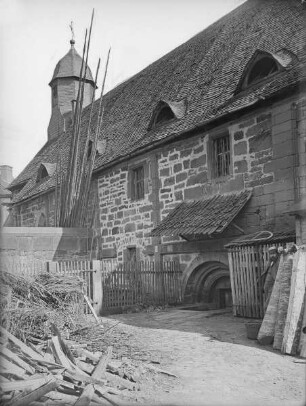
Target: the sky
pixel 35 34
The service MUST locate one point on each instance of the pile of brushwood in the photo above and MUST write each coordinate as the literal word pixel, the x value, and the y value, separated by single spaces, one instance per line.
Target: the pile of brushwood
pixel 30 304
pixel 63 372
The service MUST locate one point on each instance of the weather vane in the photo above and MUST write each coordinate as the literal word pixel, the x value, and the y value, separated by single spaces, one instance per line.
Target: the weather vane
pixel 72 32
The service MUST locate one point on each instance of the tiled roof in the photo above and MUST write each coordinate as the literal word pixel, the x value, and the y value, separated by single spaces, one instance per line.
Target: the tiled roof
pixel 70 66
pixel 205 71
pixel 202 217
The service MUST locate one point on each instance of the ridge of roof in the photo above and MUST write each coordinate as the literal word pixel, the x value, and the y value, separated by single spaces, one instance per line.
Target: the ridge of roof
pixel 204 70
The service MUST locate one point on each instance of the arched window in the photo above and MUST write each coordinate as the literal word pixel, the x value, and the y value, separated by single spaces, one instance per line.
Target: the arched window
pixel 264 67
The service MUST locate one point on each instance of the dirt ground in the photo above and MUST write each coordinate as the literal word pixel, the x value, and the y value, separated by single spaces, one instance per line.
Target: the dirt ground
pixel 215 363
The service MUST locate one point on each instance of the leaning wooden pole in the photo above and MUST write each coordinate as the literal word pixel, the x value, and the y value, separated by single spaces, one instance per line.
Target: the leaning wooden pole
pixel 65 190
pixel 79 179
pixel 85 195
pixel 76 172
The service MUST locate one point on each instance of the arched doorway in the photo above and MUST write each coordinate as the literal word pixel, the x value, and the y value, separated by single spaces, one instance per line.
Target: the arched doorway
pixel 209 283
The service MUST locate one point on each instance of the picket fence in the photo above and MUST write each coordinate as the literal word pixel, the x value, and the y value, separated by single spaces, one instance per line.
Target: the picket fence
pixel 141 283
pixel 247 263
pixel 112 286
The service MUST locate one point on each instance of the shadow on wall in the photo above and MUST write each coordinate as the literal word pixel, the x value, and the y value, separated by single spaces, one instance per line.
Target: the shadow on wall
pixel 26 245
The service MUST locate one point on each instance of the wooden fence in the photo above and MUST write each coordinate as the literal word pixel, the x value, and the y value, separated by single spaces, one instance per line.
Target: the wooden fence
pixel 110 285
pixel 90 272
pixel 141 282
pixel 247 264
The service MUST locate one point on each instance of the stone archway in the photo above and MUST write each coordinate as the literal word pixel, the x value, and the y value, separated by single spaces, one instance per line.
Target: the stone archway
pixel 209 283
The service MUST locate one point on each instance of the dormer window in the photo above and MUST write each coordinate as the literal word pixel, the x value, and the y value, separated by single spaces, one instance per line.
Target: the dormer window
pixel 261 66
pixel 165 114
pixel 166 111
pixel 45 171
pixel 261 69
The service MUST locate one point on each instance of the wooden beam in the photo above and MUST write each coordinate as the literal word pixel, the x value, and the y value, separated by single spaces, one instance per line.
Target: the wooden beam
pixel 86 396
pixel 237 227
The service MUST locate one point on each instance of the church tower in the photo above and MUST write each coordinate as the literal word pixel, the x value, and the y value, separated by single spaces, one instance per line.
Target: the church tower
pixel 64 90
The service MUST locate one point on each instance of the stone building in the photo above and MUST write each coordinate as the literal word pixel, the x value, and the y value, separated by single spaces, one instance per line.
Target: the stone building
pixel 204 145
pixel 6 177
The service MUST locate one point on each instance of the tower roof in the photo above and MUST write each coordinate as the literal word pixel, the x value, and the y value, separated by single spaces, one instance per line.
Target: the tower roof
pixel 70 66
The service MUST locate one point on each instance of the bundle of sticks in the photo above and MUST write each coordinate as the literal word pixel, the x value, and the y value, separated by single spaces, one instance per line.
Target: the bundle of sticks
pixel 35 302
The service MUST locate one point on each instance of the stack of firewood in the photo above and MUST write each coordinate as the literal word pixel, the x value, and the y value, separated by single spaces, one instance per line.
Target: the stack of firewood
pixel 63 372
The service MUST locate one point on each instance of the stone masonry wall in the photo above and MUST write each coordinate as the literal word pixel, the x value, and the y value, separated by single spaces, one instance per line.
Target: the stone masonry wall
pixel 42 209
pixel 124 222
pixel 261 159
pixel 262 156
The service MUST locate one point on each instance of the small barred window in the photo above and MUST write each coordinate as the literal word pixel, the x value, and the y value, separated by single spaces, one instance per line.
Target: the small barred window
pixel 222 157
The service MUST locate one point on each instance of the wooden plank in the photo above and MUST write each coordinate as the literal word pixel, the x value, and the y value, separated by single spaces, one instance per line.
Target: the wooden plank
pixel 23 347
pixel 260 264
pixel 234 267
pixel 14 357
pixel 242 284
pixel 87 354
pixel 87 394
pixel 60 357
pixel 231 269
pixel 92 309
pixel 284 294
pixel 118 381
pixel 10 368
pixel 302 343
pixel 25 384
pixel 267 329
pixel 297 293
pixel 62 343
pixel 25 400
pixel 254 282
pixel 81 377
pixel 84 366
pixel 97 287
pixel 247 282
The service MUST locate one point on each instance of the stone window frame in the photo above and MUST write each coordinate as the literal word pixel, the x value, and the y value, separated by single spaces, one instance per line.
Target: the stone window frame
pixel 131 171
pixel 212 175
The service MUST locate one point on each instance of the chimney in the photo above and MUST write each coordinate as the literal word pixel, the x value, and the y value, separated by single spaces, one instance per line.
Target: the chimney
pixel 6 174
